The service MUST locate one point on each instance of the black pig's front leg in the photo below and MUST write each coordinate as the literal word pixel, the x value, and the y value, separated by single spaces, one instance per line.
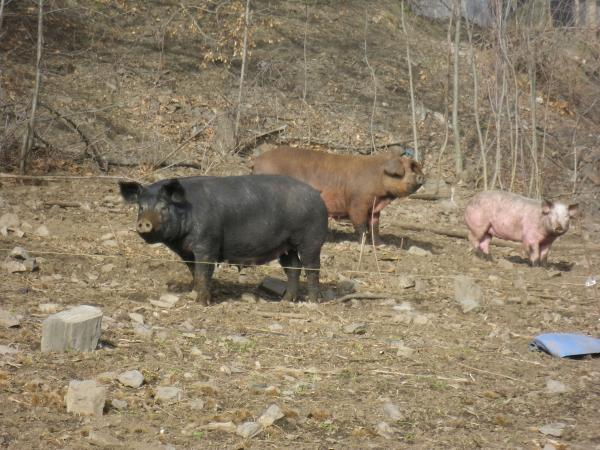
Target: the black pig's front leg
pixel 202 271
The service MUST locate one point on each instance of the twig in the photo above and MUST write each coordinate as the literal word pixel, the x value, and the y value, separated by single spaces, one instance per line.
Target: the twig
pixel 243 71
pixel 63 204
pixel 361 295
pixel 373 236
pixel 252 141
pixel 495 374
pixel 421 375
pixel 28 137
pixel 411 86
pixel 102 163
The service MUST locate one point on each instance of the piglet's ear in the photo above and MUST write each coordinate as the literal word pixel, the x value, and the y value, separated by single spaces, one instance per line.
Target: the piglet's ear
pixel 546 206
pixel 573 209
pixel 130 190
pixel 394 168
pixel 174 191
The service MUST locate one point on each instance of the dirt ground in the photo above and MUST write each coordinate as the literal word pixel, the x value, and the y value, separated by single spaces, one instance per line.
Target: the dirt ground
pixel 459 380
pixel 130 87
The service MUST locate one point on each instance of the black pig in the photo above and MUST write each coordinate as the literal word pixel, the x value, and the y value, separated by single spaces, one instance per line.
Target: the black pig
pixel 238 219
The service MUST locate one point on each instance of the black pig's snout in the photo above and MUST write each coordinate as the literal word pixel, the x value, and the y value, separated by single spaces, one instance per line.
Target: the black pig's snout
pixel 148 223
pixel 144 226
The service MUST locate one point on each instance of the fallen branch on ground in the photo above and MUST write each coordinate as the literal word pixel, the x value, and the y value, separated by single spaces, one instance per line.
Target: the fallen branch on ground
pixel 362 296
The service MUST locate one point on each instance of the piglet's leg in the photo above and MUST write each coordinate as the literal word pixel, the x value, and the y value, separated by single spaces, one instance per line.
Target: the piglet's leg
pixel 534 253
pixel 544 250
pixel 359 215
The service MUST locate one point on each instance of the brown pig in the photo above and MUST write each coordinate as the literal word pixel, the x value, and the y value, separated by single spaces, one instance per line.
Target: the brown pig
pixel 352 186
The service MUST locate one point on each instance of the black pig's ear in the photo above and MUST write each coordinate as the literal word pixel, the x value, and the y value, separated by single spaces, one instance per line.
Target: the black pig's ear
pixel 174 191
pixel 394 168
pixel 130 190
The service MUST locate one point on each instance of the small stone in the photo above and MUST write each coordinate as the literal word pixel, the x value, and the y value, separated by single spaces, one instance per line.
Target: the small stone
pixel 405 282
pixel 107 377
pixel 271 415
pixel 556 387
pixel 355 328
pixel 505 264
pixel 131 378
pixel 237 339
pixel 404 306
pixel 42 231
pixel 420 319
pixel 48 308
pixel 14 266
pixel 103 439
pixel 392 411
pixel 8 320
pixel 110 243
pixel 196 404
pixel 384 430
pixel 346 286
pixel 418 251
pixel 553 429
pixel 19 253
pixel 248 297
pixel 119 404
pixel 404 351
pixel 107 268
pixel 142 331
pixel 171 299
pixel 85 397
pixel 275 326
pixel 554 273
pixel 73 329
pixel 168 394
pixel 273 286
pixel 107 236
pixel 136 317
pixel 248 429
pixel 467 293
pixel 227 427
pixel 6 350
pixel 195 351
pixel 9 221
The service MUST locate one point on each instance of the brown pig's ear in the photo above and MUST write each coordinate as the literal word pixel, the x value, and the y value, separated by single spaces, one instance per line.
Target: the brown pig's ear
pixel 130 190
pixel 546 206
pixel 394 168
pixel 573 209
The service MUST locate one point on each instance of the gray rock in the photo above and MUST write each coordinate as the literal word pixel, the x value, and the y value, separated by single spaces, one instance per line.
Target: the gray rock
pixel 131 378
pixel 553 429
pixel 142 331
pixel 248 429
pixel 467 293
pixel 273 286
pixel 346 286
pixel 237 339
pixel 405 282
pixel 119 404
pixel 74 329
pixel 505 264
pixel 9 221
pixel 8 320
pixel 392 411
pixel 556 387
pixel 166 301
pixel 168 394
pixel 103 439
pixel 19 253
pixel 107 268
pixel 136 317
pixel 384 430
pixel 196 404
pixel 248 297
pixel 86 398
pixel 275 326
pixel 6 350
pixel 272 414
pixel 418 251
pixel 48 308
pixel 355 328
pixel 227 427
pixel 42 231
pixel 404 306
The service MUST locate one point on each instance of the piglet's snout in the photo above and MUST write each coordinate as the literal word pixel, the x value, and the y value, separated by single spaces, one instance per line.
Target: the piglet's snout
pixel 558 228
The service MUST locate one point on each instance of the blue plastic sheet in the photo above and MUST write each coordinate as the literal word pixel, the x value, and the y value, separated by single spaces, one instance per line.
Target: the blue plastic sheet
pixel 564 345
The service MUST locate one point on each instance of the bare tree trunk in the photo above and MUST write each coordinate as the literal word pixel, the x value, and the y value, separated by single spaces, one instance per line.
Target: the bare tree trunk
pixel 304 91
pixel 28 136
pixel 533 107
pixel 412 89
pixel 1 14
pixel 243 72
pixel 458 157
pixel 482 144
pixel 374 85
